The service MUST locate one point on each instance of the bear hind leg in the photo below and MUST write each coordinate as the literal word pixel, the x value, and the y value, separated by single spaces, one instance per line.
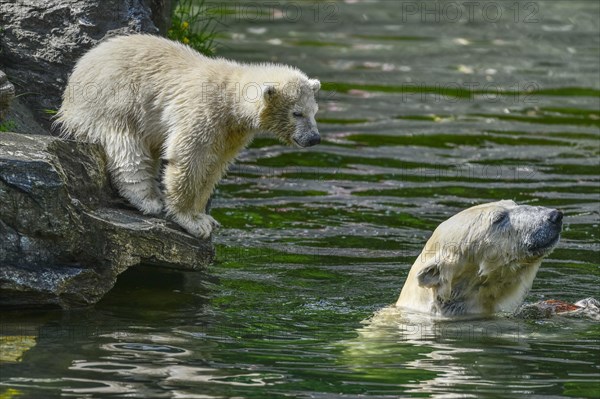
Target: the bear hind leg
pixel 134 172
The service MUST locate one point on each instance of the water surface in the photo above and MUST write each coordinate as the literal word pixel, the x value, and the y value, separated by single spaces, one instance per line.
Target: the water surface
pixel 420 118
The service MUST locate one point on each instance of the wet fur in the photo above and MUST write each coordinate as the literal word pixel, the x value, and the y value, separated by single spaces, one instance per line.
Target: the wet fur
pixel 146 98
pixel 479 261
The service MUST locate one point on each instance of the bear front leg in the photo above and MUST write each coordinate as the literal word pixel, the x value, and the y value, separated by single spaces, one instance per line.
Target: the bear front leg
pixel 133 171
pixel 189 184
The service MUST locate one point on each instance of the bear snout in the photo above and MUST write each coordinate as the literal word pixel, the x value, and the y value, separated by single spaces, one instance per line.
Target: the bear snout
pixel 555 217
pixel 308 140
pixel 547 235
pixel 315 139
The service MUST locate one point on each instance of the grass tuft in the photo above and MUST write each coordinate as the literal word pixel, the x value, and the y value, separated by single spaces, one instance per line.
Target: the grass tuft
pixel 7 126
pixel 192 26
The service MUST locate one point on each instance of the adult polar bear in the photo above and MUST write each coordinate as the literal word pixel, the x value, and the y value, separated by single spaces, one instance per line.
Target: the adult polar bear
pixel 145 98
pixel 482 260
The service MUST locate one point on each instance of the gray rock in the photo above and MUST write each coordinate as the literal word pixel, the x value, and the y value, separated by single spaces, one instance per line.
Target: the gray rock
pixel 65 235
pixel 40 41
pixel 19 118
pixel 161 13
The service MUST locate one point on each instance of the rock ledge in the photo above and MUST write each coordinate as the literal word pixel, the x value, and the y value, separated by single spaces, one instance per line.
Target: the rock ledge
pixel 65 235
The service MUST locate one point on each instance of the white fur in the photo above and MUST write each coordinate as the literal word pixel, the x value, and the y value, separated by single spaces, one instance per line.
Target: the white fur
pixel 471 266
pixel 145 98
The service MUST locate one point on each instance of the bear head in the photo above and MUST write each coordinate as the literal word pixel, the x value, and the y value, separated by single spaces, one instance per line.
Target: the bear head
pixel 289 111
pixel 482 260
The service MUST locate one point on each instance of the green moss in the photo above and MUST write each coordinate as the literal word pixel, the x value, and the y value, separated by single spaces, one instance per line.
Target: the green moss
pixel 458 92
pixel 317 43
pixel 448 140
pixel 545 119
pixel 333 121
pixel 324 160
pixel 312 273
pixel 458 191
pixel 582 389
pixel 393 38
pixel 594 114
pixel 407 89
pixel 566 135
pixel 263 142
pixel 243 257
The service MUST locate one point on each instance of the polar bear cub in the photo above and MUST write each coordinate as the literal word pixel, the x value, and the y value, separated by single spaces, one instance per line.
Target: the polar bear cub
pixel 146 98
pixel 482 260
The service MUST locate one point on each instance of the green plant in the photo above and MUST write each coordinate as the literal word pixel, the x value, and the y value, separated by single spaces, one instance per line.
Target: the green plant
pixel 7 126
pixel 191 25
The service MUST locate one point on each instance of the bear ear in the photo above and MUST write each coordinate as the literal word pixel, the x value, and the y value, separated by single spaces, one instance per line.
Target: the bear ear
pixel 314 84
pixel 429 276
pixel 269 91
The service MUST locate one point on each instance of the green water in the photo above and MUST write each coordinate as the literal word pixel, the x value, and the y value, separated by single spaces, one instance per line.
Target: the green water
pixel 420 119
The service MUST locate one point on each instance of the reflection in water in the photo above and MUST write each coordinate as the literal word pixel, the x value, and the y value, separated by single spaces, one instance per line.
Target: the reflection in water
pixel 458 353
pixel 12 347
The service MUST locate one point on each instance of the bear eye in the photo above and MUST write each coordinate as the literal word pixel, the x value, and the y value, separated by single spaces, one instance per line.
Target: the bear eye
pixel 499 217
pixel 298 114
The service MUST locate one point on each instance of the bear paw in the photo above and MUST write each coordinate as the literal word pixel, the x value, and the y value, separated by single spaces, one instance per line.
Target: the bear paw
pixel 200 226
pixel 150 206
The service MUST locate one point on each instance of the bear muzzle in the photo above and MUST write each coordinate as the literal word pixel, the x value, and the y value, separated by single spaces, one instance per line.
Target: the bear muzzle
pixel 307 140
pixel 546 236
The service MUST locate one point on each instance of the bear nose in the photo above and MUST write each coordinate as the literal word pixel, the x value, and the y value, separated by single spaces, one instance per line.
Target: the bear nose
pixel 314 140
pixel 555 216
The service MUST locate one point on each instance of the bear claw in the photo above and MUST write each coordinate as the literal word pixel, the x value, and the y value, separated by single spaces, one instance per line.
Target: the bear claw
pixel 200 226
